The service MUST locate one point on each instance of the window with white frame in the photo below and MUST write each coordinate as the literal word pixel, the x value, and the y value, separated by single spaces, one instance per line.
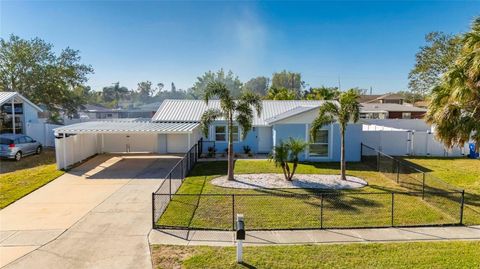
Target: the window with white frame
pixel 235 134
pixel 318 147
pixel 221 133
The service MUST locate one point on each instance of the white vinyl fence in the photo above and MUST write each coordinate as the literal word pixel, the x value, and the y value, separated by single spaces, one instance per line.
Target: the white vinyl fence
pixel 42 132
pixel 403 142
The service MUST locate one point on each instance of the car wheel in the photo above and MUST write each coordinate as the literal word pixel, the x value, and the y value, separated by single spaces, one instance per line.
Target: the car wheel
pixel 18 156
pixel 39 150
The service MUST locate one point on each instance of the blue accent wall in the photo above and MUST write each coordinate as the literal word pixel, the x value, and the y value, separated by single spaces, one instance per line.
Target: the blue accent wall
pixel 281 132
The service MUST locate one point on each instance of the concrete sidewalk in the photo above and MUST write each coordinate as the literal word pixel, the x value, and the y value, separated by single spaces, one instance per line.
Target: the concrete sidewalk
pixel 220 238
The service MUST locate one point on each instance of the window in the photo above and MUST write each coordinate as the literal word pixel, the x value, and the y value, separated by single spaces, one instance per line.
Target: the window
pixel 28 139
pixel 406 115
pixel 319 146
pixel 235 133
pixel 220 133
pixel 22 140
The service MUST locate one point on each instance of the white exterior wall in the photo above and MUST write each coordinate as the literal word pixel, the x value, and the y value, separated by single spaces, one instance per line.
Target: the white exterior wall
pixel 178 143
pixel 130 142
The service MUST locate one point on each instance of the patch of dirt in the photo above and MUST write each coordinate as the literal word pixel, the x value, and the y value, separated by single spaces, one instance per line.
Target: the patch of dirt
pixel 166 256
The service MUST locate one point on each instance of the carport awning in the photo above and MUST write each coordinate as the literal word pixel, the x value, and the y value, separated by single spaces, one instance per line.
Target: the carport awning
pixel 112 127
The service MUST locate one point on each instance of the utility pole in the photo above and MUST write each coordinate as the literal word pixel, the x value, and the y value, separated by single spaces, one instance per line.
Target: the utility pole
pixel 339 85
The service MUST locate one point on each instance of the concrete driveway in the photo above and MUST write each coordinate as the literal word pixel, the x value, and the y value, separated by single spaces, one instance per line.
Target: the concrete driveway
pixel 98 215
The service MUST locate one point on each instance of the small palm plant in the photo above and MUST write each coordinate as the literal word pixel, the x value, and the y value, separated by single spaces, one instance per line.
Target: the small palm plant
pixel 348 110
pixel 231 111
pixel 286 152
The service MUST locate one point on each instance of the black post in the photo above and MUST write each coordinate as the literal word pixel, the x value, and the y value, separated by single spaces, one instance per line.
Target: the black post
pixel 181 169
pixel 321 213
pixel 361 151
pixel 423 185
pixel 153 210
pixel 462 205
pixel 170 186
pixel 398 171
pixel 378 161
pixel 233 212
pixel 393 204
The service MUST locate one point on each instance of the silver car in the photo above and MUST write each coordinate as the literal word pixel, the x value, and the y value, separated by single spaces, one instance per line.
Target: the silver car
pixel 15 146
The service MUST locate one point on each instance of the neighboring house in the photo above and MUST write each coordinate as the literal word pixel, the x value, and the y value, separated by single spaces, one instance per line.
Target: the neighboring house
pixel 95 112
pixel 16 113
pixel 389 98
pixel 390 111
pixel 278 121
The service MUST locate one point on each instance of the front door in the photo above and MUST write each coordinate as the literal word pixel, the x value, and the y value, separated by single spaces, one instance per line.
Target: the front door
pixel 265 139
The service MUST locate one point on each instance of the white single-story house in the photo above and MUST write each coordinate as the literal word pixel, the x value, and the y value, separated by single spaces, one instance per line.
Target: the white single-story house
pixel 16 113
pixel 175 128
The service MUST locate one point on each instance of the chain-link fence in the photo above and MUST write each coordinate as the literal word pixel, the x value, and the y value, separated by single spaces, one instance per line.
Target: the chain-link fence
pixel 427 201
pixel 271 211
pixel 206 148
pixel 172 182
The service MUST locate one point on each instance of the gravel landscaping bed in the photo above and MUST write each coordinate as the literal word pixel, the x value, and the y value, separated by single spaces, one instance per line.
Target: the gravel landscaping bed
pixel 277 181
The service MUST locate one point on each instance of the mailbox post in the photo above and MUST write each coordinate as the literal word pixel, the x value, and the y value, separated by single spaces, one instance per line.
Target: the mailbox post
pixel 240 236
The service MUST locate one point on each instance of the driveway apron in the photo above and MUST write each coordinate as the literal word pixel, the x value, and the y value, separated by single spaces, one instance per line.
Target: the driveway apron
pixel 96 216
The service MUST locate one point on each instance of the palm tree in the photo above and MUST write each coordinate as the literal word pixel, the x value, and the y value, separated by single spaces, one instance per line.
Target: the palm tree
pixel 230 110
pixel 347 110
pixel 288 152
pixel 455 104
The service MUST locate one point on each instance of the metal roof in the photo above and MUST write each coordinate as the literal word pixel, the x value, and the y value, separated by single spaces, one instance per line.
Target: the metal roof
pixel 127 127
pixel 290 113
pixel 375 107
pixel 192 110
pixel 7 96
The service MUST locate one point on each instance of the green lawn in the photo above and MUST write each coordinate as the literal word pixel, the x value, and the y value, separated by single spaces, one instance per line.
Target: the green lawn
pixel 389 255
pixel 461 172
pixel 356 208
pixel 20 178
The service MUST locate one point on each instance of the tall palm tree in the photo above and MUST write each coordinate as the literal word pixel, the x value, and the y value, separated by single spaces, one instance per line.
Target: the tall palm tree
pixel 455 104
pixel 347 110
pixel 239 111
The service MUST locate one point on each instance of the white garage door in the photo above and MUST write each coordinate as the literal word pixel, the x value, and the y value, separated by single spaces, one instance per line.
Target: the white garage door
pixel 177 143
pixel 130 142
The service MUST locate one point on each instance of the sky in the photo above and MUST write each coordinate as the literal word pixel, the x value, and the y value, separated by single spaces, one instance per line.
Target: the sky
pixel 359 44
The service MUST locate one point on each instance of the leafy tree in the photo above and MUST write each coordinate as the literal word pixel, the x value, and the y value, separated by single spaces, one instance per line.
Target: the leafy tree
pixel 433 60
pixel 145 91
pixel 280 94
pixel 233 84
pixel 411 97
pixel 454 108
pixel 288 80
pixel 113 94
pixel 322 93
pixel 257 85
pixel 31 68
pixel 286 152
pixel 347 110
pixel 231 111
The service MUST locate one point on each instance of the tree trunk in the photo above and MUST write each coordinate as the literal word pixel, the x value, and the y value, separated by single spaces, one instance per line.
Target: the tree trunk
pixel 342 154
pixel 295 164
pixel 231 162
pixel 288 171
